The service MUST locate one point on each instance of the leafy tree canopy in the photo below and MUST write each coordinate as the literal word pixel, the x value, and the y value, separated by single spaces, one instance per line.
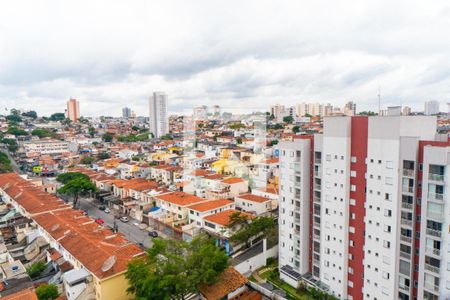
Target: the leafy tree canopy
pixel 57 117
pixel 173 269
pixel 76 187
pixel 31 114
pixel 5 163
pixel 66 177
pixel 107 137
pixel 47 292
pixel 288 119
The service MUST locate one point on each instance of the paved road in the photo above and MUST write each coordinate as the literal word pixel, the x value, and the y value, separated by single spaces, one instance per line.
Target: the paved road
pixel 132 232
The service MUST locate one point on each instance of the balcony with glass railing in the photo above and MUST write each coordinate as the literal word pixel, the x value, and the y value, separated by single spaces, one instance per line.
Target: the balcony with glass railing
pixel 405 255
pixel 406 239
pixel 436 215
pixel 436 196
pixel 408 172
pixel 434 232
pixel 431 287
pixel 436 177
pixel 408 189
pixel 407 206
pixel 433 251
pixel 406 222
pixel 432 268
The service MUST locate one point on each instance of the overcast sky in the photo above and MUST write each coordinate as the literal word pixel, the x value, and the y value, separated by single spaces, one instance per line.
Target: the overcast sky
pixel 242 55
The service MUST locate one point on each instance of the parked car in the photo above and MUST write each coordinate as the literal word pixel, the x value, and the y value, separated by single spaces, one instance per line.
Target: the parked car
pixel 124 219
pixel 153 233
pixel 107 210
pixel 85 212
pixel 102 207
pixel 100 221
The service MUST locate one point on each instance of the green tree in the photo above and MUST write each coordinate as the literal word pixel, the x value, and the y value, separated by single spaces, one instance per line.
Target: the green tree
pixel 91 131
pixel 173 269
pixel 66 121
pixel 41 133
pixel 14 118
pixel 278 126
pixel 36 269
pixel 103 155
pixel 16 131
pixel 288 119
pixel 5 163
pixel 31 114
pixel 87 160
pixel 47 292
pixel 166 137
pixel 262 227
pixel 68 176
pixel 107 137
pixel 296 129
pixel 57 117
pixel 77 187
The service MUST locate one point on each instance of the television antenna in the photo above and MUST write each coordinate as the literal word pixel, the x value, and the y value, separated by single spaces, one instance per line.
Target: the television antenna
pixel 109 263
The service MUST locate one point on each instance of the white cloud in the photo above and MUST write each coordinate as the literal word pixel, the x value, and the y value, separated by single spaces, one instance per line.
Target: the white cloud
pixel 243 55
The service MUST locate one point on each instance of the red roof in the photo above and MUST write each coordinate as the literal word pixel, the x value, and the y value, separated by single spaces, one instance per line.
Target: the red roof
pixel 223 218
pixel 181 198
pixel 233 180
pixel 254 198
pixel 212 204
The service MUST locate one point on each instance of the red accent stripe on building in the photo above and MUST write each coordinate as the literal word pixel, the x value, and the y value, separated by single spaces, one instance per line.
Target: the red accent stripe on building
pixel 358 149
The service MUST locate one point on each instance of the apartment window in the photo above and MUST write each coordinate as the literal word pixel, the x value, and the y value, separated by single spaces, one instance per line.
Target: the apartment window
pixel 389 164
pixel 389 180
pixel 328 157
pixel 388 196
pixel 353 173
pixel 353 159
pixel 386 244
pixel 353 187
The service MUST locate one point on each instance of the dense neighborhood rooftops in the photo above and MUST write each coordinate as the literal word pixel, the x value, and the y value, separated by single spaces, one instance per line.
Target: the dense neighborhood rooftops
pixel 233 180
pixel 72 229
pixel 28 196
pixel 209 205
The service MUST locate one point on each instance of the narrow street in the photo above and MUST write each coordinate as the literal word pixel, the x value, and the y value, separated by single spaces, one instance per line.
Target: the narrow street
pixel 131 231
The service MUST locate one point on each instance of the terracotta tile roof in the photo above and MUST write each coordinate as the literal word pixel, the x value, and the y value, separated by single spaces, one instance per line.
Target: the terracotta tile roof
pixel 72 229
pixel 181 198
pixel 254 198
pixel 200 172
pixel 223 218
pixel 273 160
pixel 232 180
pixel 214 176
pixel 31 198
pixel 229 281
pixel 27 294
pixel 269 190
pixel 209 205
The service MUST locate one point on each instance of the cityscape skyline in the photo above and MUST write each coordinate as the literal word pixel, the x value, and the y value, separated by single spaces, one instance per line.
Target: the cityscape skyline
pixel 254 62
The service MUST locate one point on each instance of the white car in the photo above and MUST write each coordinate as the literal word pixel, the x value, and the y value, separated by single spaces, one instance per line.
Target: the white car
pixel 107 210
pixel 124 219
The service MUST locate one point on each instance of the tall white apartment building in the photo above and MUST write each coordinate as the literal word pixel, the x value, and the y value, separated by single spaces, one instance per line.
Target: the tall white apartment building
pixel 431 108
pixel 434 259
pixel 363 208
pixel 159 122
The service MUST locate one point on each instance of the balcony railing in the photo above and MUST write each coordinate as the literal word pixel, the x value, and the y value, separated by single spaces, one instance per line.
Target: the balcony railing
pixel 406 239
pixel 432 268
pixel 436 196
pixel 317 186
pixel 317 224
pixel 405 255
pixel 431 287
pixel 403 287
pixel 438 216
pixel 436 177
pixel 433 251
pixel 406 222
pixel 408 172
pixel 316 199
pixel 318 161
pixel 434 232
pixel 297 208
pixel 407 189
pixel 406 205
pixel 297 220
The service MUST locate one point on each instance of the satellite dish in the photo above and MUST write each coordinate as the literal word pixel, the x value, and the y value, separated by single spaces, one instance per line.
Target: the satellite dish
pixel 55 227
pixel 109 263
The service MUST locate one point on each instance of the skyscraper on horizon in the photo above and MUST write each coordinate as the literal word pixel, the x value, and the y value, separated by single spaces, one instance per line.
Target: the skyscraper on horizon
pixel 126 112
pixel 73 110
pixel 431 107
pixel 158 122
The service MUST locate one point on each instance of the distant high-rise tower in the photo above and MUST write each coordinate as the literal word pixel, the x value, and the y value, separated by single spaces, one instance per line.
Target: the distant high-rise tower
pixel 431 108
pixel 159 123
pixel 73 110
pixel 126 112
pixel 216 110
pixel 350 109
